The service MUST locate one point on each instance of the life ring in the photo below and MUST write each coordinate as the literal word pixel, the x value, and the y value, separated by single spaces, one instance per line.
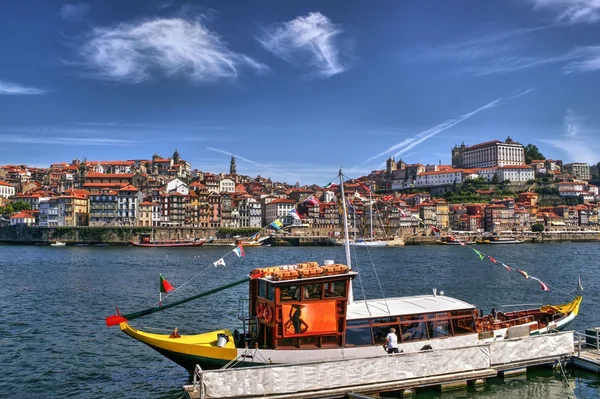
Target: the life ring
pixel 260 310
pixel 268 314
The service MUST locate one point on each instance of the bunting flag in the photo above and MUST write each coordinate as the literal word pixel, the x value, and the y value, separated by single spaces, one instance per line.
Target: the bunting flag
pixel 492 259
pixel 365 187
pixel 579 286
pixel 387 197
pixel 481 256
pixel 255 236
pixel 507 267
pixel 523 273
pixel 462 243
pixel 165 286
pixel 435 229
pixel 294 213
pixel 276 225
pixel 544 286
pixel 239 251
pixel 311 200
pixel 330 185
pixel 350 207
pixel 220 262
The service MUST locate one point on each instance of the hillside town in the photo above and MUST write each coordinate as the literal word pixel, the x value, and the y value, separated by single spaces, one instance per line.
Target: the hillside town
pixel 490 187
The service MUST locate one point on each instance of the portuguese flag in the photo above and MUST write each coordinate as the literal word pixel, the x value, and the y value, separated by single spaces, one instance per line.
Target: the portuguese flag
pixel 165 286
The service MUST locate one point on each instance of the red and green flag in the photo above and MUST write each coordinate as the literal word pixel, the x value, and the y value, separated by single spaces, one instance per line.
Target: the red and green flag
pixel 165 286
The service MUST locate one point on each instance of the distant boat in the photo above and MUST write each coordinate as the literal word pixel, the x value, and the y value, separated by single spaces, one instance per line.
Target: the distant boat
pixel 58 244
pixel 81 244
pixel 449 240
pixel 499 240
pixel 368 243
pixel 145 241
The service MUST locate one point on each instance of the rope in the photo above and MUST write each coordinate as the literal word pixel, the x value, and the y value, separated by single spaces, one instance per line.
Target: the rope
pixel 566 381
pixel 378 281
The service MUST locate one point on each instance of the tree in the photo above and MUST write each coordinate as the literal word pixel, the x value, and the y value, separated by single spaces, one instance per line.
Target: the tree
pixel 531 153
pixel 537 228
pixel 19 206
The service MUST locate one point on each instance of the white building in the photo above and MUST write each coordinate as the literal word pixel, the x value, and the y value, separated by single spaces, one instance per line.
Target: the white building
pixel 128 205
pixel 6 190
pixel 49 212
pixel 579 170
pixel 22 218
pixel 278 208
pixel 571 189
pixel 439 178
pixel 488 154
pixel 227 186
pixel 516 173
pixel 177 186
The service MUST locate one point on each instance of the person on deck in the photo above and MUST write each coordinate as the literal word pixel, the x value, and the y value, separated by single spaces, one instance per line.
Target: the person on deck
pixel 391 341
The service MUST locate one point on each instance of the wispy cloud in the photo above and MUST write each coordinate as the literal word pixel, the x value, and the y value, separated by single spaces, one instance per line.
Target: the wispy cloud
pixel 135 52
pixel 21 139
pixel 571 11
pixel 588 60
pixel 514 63
pixel 575 143
pixel 8 88
pixel 74 12
pixel 262 165
pixel 409 143
pixel 306 39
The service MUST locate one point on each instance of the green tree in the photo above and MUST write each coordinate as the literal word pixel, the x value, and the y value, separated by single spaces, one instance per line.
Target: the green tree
pixel 531 153
pixel 538 227
pixel 19 206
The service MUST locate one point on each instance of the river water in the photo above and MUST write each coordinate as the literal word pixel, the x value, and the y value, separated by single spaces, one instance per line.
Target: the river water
pixel 53 301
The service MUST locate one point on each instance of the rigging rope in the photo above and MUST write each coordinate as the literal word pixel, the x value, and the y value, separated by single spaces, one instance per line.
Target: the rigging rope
pixel 378 281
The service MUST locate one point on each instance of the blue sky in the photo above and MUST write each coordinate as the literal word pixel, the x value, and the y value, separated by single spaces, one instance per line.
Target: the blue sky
pixel 296 89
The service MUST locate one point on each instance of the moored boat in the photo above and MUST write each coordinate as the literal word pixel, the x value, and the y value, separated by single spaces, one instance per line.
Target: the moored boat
pixel 58 244
pixel 499 240
pixel 368 243
pixel 145 241
pixel 450 240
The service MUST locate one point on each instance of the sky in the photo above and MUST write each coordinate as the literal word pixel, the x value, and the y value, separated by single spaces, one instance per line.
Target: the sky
pixel 296 89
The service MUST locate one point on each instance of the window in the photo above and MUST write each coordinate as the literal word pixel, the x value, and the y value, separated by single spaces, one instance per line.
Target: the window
pixel 380 332
pixel 312 291
pixel 262 288
pixel 335 289
pixel 286 293
pixel 359 336
pixel 413 328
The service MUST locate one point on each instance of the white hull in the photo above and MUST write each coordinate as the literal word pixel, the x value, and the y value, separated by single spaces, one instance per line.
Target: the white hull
pixel 368 244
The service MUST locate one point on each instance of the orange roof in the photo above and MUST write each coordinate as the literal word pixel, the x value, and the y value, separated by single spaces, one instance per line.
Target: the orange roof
pixel 3 183
pixel 99 185
pixel 22 215
pixel 110 175
pixel 485 144
pixel 128 187
pixel 282 201
pixel 440 172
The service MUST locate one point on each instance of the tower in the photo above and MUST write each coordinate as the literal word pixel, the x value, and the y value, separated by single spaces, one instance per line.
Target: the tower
pixel 390 166
pixel 176 157
pixel 232 166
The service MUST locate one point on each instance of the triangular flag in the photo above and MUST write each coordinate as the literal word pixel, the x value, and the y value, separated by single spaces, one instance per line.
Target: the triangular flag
pixel 544 286
pixel 507 267
pixel 239 251
pixel 329 185
pixel 523 273
pixel 294 213
pixel 579 286
pixel 220 262
pixel 165 286
pixel 492 259
pixel 481 256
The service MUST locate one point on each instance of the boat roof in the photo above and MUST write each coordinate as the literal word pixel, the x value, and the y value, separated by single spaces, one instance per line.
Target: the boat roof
pixel 406 305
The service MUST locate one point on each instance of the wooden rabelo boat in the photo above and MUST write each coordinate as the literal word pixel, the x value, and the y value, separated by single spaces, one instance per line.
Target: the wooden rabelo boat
pixel 305 312
pixel 146 241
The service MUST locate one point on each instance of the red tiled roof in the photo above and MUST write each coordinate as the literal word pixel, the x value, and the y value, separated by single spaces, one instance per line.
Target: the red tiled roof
pixel 110 175
pixel 128 187
pixel 22 215
pixel 480 145
pixel 3 183
pixel 282 201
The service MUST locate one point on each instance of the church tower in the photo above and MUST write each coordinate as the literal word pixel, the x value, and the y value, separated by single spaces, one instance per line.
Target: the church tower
pixel 232 166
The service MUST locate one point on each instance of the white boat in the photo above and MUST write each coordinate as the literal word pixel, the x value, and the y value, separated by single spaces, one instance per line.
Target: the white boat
pixel 58 244
pixel 306 312
pixel 368 243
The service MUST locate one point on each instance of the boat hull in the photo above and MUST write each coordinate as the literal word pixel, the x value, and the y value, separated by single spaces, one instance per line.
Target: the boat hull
pixel 169 244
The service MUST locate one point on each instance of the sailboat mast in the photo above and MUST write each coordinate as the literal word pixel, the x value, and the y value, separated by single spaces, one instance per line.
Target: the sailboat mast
pixel 371 211
pixel 346 236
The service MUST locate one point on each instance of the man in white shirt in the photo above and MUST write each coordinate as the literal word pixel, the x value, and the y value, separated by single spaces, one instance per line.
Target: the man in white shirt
pixel 391 341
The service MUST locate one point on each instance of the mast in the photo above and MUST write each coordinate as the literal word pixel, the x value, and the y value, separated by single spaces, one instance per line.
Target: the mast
pixel 346 237
pixel 371 210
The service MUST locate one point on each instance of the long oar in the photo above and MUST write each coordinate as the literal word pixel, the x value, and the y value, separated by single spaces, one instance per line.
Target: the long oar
pixel 113 320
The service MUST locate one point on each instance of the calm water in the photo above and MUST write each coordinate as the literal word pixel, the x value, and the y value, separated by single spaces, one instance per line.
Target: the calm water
pixel 54 343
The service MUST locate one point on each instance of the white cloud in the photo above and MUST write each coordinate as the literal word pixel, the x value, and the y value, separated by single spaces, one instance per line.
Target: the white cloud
pixel 588 60
pixel 575 143
pixel 20 139
pixel 8 88
pixel 572 11
pixel 312 36
pixel 134 52
pixel 74 12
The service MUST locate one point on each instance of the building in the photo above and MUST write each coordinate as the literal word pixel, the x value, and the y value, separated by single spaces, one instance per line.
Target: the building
pixel 488 154
pixel 580 171
pixel 148 214
pixel 22 218
pixel 278 209
pixel 103 208
pixel 572 189
pixel 129 199
pixel 6 190
pixel 73 210
pixel 49 212
pixel 516 173
pixel 440 178
pixel 226 186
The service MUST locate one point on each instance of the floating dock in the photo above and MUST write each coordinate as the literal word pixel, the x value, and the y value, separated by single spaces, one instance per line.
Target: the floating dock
pixel 451 368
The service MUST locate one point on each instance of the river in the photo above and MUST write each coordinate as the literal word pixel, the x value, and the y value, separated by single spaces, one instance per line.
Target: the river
pixel 54 342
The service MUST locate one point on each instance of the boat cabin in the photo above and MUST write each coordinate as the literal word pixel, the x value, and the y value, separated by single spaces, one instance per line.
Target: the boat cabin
pixel 305 306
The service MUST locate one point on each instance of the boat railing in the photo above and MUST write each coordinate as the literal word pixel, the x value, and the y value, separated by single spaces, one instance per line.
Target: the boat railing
pixel 581 338
pixel 527 318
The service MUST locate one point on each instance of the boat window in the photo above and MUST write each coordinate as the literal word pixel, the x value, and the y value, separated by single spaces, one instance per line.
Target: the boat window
pixel 464 325
pixel 335 289
pixel 270 292
pixel 439 328
pixel 262 288
pixel 385 320
pixel 411 318
pixel 312 291
pixel 379 334
pixel 286 293
pixel 354 323
pixel 438 315
pixel 414 331
pixel 465 312
pixel 359 336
